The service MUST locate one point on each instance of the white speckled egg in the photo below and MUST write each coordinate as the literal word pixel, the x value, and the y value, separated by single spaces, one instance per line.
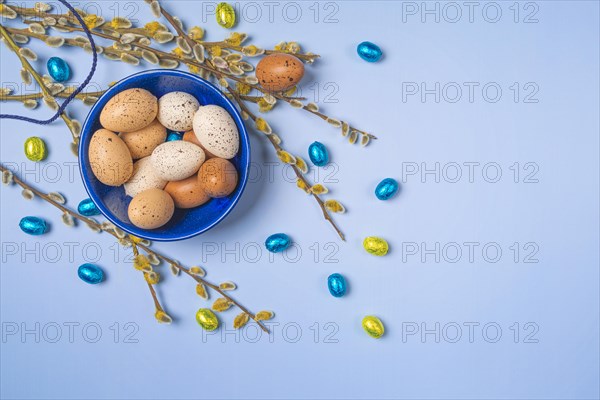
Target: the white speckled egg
pixel 144 177
pixel 216 131
pixel 177 160
pixel 176 111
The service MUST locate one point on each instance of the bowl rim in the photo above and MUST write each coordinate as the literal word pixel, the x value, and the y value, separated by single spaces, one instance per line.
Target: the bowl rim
pixel 147 234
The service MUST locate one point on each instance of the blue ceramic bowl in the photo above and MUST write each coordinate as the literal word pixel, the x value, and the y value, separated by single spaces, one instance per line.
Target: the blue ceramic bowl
pixel 113 202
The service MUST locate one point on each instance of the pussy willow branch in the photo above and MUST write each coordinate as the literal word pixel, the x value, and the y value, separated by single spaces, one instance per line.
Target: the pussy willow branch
pixel 276 146
pixel 10 43
pixel 93 223
pixel 209 67
pixel 89 221
pixel 225 45
pixel 31 12
pixel 198 279
pixel 218 74
pixel 175 57
pixel 40 95
pixel 157 304
pixel 299 173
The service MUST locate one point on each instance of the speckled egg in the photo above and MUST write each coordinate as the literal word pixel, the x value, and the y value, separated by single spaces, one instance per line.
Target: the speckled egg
pixel 176 111
pixel 278 72
pixel 141 143
pixel 110 159
pixel 129 111
pixel 144 177
pixel 187 193
pixel 177 160
pixel 216 131
pixel 218 177
pixel 151 209
pixel 191 137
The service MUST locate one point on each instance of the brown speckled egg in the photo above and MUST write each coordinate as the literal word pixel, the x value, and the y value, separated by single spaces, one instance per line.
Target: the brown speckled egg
pixel 278 72
pixel 142 143
pixel 191 137
pixel 109 158
pixel 176 110
pixel 151 209
pixel 144 177
pixel 129 111
pixel 218 177
pixel 187 193
pixel 177 160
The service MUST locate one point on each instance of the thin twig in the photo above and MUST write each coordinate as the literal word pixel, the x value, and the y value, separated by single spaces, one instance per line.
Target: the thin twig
pixel 299 173
pixel 10 43
pixel 100 227
pixel 40 95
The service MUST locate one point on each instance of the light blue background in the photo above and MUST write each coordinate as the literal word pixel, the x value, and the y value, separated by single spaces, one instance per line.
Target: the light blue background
pixel 559 214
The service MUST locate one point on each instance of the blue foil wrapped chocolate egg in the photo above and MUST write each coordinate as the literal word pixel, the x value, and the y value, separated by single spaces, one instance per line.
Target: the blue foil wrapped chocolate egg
pixel 88 208
pixel 337 285
pixel 318 154
pixel 369 51
pixel 58 69
pixel 90 273
pixel 386 189
pixel 174 136
pixel 33 226
pixel 278 242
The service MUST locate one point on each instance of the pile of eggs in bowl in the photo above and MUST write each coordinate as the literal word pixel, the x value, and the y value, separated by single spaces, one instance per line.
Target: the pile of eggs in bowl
pixel 130 150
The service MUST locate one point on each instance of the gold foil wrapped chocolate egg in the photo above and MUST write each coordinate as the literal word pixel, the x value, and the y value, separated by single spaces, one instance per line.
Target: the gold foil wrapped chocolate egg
pixel 35 149
pixel 207 319
pixel 373 326
pixel 376 246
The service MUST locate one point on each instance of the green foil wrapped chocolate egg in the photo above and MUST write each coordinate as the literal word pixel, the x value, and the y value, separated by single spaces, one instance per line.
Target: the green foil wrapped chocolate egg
pixel 225 15
pixel 376 246
pixel 207 319
pixel 373 326
pixel 35 149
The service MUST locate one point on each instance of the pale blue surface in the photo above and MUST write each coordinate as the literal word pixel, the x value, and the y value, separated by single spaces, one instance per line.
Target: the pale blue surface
pixel 558 215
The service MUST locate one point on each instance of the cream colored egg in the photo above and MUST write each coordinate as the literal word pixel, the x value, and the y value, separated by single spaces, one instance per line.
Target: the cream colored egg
pixel 109 158
pixel 129 110
pixel 176 111
pixel 177 160
pixel 144 177
pixel 142 143
pixel 216 131
pixel 151 209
